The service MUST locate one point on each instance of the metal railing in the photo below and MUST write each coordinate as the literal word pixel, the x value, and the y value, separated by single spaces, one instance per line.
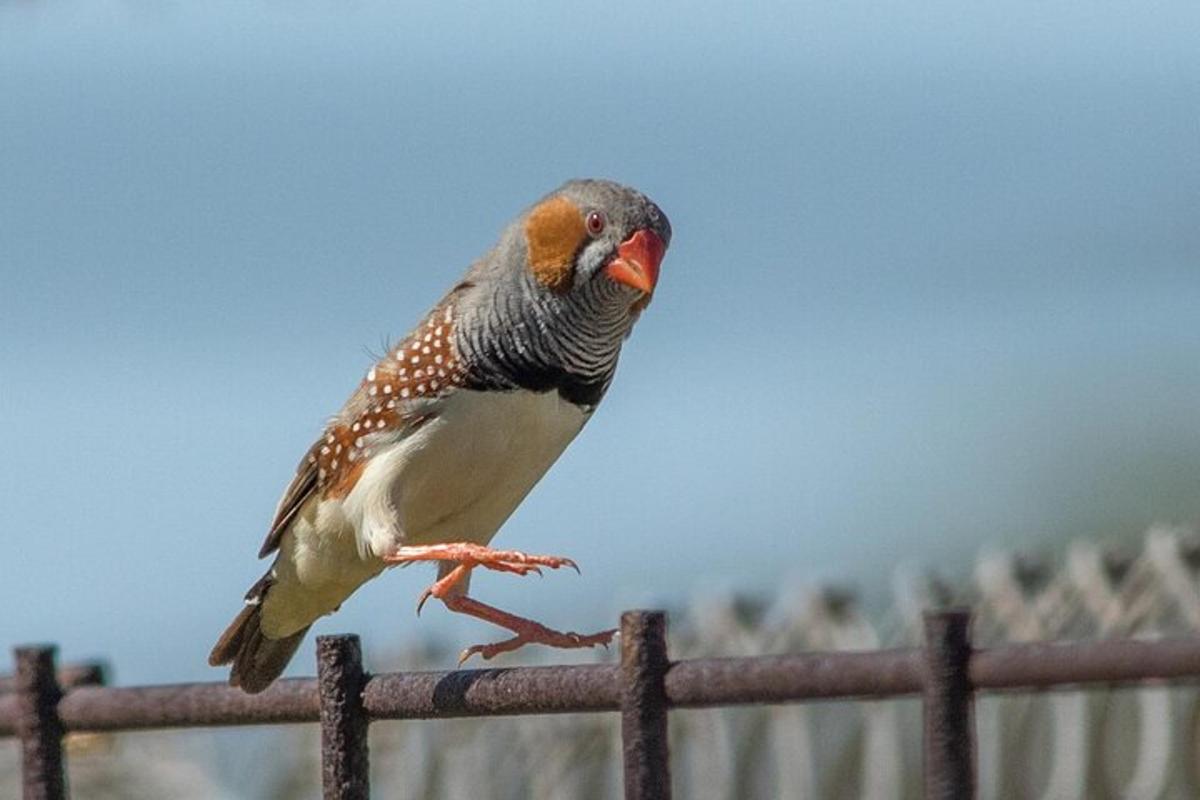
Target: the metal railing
pixel 39 705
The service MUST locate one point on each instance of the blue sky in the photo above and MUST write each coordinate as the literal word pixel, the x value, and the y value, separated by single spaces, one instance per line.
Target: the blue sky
pixel 933 287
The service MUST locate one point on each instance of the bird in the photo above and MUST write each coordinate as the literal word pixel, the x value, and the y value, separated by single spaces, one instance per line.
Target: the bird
pixel 453 426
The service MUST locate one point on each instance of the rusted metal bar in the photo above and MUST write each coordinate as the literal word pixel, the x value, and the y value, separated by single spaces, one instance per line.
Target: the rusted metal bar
pixel 92 673
pixel 188 705
pixel 344 756
pixel 781 679
pixel 43 776
pixel 8 715
pixel 644 667
pixel 1061 665
pixel 949 723
pixel 595 687
pixel 492 692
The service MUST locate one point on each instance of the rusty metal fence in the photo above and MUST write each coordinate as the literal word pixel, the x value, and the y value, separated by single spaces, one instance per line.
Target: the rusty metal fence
pixel 40 704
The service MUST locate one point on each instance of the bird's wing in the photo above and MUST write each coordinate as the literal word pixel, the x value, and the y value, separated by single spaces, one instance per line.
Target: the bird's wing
pixel 302 487
pixel 399 394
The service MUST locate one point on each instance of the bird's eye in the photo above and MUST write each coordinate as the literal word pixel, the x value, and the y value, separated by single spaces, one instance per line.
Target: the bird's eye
pixel 596 223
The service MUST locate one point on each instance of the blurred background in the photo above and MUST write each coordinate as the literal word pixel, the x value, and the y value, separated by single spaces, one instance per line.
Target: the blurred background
pixel 933 290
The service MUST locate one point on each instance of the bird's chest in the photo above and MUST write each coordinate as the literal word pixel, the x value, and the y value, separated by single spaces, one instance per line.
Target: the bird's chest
pixel 461 475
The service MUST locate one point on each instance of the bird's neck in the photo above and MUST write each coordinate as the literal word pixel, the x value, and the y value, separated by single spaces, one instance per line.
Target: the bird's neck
pixel 569 344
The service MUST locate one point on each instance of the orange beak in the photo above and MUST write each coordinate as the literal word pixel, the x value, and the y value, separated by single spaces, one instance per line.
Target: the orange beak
pixel 637 261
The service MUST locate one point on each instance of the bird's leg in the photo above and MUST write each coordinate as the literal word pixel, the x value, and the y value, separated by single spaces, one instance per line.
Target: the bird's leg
pixel 473 555
pixel 470 556
pixel 527 631
pixel 444 585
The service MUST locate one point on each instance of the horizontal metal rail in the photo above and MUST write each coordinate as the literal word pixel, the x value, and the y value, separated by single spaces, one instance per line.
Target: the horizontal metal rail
pixel 69 677
pixel 695 683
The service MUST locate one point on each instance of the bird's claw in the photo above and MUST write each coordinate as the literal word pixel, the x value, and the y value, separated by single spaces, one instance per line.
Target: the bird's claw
pixel 512 561
pixel 425 595
pixel 523 564
pixel 515 568
pixel 546 636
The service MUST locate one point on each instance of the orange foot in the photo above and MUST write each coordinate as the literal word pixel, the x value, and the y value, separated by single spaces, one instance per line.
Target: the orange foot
pixel 476 555
pixel 470 556
pixel 527 631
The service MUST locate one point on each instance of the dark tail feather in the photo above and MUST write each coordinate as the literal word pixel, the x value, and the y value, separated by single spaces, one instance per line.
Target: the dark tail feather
pixel 257 661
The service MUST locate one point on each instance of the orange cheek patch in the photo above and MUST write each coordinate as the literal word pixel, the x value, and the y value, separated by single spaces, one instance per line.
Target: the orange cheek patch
pixel 553 233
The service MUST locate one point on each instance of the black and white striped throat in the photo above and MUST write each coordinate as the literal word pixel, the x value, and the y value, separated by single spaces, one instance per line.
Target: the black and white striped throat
pixel 569 344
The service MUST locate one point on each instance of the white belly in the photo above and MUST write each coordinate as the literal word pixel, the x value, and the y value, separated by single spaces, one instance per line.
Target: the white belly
pixel 461 475
pixel 456 478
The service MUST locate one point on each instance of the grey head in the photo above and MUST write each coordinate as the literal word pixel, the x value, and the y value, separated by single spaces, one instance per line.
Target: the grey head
pixel 549 307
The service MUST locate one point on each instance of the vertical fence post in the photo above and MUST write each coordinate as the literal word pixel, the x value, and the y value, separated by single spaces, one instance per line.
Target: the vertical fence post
pixel 345 771
pixel 948 700
pixel 644 705
pixel 42 773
